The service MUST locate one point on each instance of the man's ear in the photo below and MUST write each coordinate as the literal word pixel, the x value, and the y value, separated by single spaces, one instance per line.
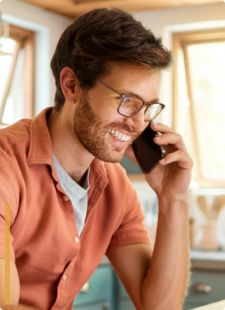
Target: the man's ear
pixel 69 84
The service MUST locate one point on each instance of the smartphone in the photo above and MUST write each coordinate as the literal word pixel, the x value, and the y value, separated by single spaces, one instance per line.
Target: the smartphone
pixel 146 151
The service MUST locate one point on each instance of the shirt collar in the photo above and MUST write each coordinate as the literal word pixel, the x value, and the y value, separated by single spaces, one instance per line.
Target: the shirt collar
pixel 40 148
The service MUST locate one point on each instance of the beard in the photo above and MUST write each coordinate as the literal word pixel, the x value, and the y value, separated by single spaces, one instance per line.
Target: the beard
pixel 92 133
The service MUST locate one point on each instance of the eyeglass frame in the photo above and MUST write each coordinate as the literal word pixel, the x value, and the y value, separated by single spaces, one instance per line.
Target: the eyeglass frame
pixel 123 96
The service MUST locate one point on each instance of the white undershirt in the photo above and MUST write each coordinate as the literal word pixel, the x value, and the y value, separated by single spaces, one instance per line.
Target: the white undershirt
pixel 77 194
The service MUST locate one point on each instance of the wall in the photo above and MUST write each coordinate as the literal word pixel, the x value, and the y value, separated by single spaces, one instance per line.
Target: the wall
pixel 164 22
pixel 158 20
pixel 48 27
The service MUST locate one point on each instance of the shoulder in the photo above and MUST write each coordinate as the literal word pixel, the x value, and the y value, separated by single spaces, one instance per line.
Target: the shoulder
pixel 13 135
pixel 116 172
pixel 14 144
pixel 117 176
pixel 120 186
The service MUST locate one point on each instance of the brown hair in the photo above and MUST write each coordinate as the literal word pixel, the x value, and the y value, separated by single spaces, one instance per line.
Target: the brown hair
pixel 100 36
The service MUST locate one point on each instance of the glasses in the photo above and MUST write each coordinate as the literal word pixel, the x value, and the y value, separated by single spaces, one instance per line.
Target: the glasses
pixel 131 105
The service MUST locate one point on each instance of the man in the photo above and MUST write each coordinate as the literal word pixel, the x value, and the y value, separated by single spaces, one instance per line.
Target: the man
pixel 70 202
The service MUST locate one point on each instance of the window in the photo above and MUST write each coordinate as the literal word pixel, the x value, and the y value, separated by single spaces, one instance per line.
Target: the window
pixel 199 101
pixel 17 73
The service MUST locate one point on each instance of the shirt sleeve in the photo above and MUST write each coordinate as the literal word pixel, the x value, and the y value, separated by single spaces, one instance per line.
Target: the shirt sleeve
pixel 132 229
pixel 8 203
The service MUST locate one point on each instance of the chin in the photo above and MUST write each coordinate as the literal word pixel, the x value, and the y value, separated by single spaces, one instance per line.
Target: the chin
pixel 110 158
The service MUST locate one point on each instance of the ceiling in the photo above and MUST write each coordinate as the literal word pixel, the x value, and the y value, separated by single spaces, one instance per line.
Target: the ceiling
pixel 74 8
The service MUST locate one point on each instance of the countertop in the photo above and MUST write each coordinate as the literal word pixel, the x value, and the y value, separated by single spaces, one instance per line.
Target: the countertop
pixel 220 305
pixel 208 260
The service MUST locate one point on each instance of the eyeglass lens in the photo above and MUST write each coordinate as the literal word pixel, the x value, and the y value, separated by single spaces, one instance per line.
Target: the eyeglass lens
pixel 131 105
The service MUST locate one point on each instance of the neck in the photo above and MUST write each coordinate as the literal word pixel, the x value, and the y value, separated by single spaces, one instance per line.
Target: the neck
pixel 70 153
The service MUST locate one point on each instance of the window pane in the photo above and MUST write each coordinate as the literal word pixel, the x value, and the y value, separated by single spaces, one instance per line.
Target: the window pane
pixel 15 104
pixel 7 48
pixel 207 70
pixel 14 73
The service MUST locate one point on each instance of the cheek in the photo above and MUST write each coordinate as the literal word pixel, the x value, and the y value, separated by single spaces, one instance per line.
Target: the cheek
pixel 106 113
pixel 103 106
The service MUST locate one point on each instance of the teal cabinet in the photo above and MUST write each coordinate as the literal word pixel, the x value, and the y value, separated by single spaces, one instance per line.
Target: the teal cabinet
pixel 98 292
pixel 126 305
pixel 98 306
pixel 123 300
pixel 104 291
pixel 207 286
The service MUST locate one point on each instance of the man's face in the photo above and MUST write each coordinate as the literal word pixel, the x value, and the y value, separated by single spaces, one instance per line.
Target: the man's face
pixel 97 124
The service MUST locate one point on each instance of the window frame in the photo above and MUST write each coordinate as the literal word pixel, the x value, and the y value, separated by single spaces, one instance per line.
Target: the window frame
pixel 24 39
pixel 180 42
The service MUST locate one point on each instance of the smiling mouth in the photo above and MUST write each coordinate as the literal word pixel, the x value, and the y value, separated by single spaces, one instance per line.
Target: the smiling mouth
pixel 119 135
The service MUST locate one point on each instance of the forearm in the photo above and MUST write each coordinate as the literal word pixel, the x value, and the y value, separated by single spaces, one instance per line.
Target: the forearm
pixel 166 281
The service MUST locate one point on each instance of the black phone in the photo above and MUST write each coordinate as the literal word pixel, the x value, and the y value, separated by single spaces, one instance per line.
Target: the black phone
pixel 146 151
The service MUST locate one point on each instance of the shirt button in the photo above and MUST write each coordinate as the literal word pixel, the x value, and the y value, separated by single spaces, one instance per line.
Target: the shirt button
pixel 64 277
pixel 65 198
pixel 76 240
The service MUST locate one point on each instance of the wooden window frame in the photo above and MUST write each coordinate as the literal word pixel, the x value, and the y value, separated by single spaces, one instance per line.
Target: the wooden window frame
pixel 24 39
pixel 180 42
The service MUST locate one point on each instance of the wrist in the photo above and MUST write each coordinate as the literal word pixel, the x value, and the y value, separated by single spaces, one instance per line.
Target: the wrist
pixel 174 198
pixel 174 202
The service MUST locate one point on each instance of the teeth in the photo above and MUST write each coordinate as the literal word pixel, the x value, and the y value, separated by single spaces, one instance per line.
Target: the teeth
pixel 119 136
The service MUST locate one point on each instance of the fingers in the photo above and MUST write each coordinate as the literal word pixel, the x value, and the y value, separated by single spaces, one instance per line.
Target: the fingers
pixel 175 150
pixel 161 127
pixel 167 136
pixel 172 139
pixel 179 157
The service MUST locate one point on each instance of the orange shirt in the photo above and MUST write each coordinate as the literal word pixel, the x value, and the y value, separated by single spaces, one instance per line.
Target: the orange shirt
pixel 53 261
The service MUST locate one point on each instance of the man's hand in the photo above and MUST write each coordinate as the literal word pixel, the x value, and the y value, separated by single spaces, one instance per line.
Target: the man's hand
pixel 171 176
